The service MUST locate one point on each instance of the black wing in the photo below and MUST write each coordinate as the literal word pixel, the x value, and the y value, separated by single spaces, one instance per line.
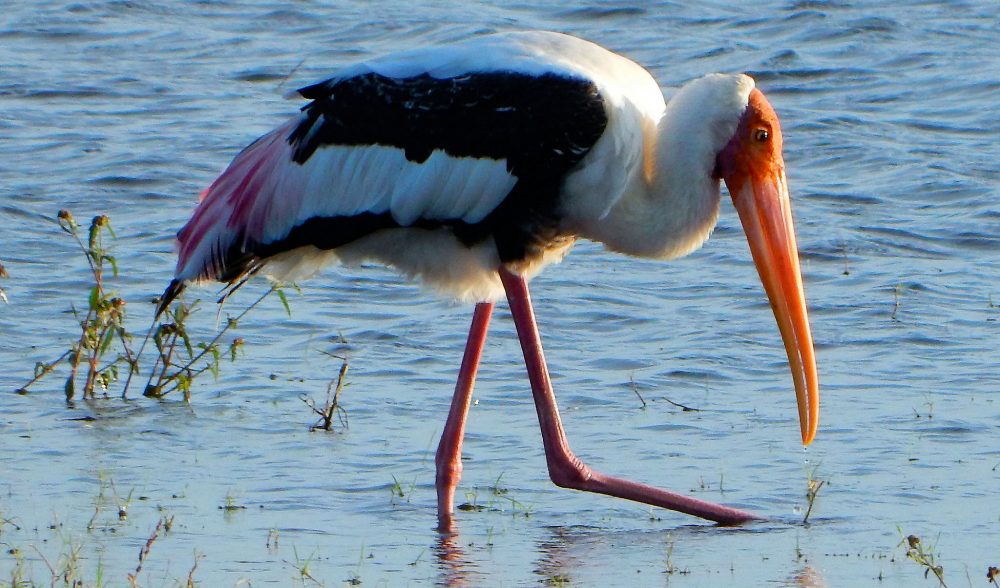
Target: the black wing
pixel 542 125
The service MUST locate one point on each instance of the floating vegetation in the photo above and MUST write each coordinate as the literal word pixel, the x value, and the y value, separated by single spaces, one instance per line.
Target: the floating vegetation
pixel 231 505
pixel 497 496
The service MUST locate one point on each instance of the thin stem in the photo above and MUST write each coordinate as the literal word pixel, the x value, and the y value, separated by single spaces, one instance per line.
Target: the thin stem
pixel 229 323
pixel 46 369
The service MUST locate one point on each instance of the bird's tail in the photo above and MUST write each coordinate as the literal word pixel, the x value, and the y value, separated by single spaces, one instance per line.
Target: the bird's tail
pixel 173 290
pixel 217 242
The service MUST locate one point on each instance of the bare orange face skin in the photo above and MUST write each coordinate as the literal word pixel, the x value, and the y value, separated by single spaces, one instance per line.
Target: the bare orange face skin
pixel 754 171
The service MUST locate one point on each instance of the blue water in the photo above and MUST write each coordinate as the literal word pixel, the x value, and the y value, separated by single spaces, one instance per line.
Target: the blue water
pixel 130 108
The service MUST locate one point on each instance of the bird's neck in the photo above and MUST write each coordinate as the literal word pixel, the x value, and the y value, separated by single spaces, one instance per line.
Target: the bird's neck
pixel 671 203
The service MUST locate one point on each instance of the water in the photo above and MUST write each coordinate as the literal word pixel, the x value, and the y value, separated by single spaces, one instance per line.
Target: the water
pixel 130 108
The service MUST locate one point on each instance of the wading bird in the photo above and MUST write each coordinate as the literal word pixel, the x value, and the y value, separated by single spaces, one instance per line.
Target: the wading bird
pixel 472 166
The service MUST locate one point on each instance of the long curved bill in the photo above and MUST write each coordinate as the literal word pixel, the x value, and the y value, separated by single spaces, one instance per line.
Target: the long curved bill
pixel 763 205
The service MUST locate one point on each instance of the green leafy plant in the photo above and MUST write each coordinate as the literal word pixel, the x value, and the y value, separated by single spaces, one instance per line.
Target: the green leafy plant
pixel 101 326
pixel 103 351
pixel 180 360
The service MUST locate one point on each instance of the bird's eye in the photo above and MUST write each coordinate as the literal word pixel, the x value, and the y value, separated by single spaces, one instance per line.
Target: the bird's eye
pixel 761 135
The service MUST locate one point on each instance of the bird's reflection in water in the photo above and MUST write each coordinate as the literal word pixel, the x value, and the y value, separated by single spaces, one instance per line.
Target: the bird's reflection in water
pixel 456 568
pixel 567 552
pixel 807 577
pixel 558 555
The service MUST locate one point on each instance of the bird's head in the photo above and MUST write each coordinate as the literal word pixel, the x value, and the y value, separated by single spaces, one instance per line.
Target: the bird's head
pixel 752 166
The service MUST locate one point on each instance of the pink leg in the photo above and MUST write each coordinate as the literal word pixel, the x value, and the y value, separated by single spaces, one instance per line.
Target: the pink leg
pixel 564 468
pixel 449 452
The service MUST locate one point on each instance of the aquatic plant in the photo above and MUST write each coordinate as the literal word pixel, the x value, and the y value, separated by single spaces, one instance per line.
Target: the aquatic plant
pixel 496 494
pixel 813 486
pixel 302 567
pixel 635 389
pixel 517 507
pixel 923 554
pixel 189 582
pixel 898 291
pixel 103 349
pixel 101 326
pixel 177 360
pixel 272 539
pixel 147 547
pixel 73 556
pixel 398 491
pixel 669 566
pixel 231 504
pixel 17 572
pixel 180 360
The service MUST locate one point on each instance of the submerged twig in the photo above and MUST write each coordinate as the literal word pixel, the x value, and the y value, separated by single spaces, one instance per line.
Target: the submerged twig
pixel 635 388
pixel 812 489
pixel 332 406
pixel 896 291
pixel 681 406
pixel 135 363
pixel 42 369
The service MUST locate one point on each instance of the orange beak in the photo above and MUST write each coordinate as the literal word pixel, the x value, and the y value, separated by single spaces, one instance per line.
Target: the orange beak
pixel 763 205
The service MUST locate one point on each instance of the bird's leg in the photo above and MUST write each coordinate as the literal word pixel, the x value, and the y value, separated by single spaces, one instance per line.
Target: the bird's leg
pixel 565 469
pixel 449 452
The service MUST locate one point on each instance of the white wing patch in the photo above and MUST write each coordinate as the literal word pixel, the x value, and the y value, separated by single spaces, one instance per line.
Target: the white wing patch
pixel 445 187
pixel 264 194
pixel 345 181
pixel 340 180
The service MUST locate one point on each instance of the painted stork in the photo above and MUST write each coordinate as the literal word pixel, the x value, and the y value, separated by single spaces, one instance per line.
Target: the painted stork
pixel 472 166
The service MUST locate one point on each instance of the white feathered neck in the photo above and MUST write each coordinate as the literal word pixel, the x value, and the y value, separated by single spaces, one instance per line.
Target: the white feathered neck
pixel 670 202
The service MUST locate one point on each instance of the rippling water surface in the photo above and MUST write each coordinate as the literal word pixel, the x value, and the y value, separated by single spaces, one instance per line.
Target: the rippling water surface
pixel 130 108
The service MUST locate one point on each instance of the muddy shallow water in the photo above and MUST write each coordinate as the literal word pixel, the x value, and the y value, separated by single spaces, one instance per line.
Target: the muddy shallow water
pixel 131 108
